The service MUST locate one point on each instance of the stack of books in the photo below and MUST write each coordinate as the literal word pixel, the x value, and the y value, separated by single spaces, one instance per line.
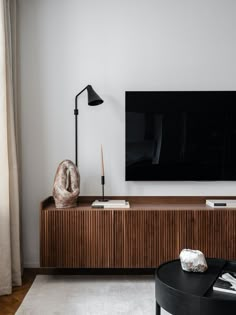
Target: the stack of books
pixel 221 203
pixel 111 204
pixel 226 282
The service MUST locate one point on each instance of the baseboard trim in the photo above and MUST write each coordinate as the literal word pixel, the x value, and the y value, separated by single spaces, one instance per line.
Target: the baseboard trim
pixel 31 265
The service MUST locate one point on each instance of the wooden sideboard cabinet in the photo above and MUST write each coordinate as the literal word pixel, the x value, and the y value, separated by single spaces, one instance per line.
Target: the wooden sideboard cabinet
pixel 152 231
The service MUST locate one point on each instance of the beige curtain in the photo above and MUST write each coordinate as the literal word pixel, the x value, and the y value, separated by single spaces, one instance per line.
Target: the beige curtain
pixel 10 267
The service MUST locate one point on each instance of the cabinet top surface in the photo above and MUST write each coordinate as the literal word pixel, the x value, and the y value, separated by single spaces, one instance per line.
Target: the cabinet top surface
pixel 144 203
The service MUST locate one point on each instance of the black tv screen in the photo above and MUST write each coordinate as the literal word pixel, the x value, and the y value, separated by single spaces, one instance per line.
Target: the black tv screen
pixel 181 135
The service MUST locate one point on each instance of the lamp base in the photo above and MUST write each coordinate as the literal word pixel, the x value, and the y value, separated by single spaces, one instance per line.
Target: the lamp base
pixel 103 184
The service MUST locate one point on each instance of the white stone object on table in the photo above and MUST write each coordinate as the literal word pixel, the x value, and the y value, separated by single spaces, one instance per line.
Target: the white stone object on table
pixel 66 186
pixel 193 260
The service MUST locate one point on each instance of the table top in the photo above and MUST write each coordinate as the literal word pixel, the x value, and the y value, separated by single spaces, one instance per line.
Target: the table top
pixel 193 283
pixel 179 291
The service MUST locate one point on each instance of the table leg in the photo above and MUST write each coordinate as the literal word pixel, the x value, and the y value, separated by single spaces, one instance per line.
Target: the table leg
pixel 158 309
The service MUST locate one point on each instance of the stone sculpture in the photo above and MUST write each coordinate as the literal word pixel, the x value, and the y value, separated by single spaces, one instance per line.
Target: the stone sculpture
pixel 66 186
pixel 193 260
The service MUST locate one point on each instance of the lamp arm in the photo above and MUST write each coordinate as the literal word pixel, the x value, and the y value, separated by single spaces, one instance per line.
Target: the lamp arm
pixel 76 112
pixel 76 97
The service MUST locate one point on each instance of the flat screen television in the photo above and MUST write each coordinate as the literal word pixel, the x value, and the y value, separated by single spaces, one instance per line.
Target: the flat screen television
pixel 181 135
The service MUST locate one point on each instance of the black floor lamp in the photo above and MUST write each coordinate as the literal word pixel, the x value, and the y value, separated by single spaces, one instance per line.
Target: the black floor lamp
pixel 93 100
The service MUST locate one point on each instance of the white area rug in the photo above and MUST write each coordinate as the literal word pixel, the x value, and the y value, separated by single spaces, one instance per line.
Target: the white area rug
pixel 90 295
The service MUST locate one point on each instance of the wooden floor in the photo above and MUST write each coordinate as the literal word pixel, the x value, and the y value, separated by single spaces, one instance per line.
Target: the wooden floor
pixel 10 303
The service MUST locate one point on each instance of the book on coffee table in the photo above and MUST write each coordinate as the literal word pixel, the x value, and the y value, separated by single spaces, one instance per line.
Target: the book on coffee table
pixel 226 282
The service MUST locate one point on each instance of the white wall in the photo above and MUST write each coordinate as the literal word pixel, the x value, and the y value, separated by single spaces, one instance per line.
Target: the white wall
pixel 115 46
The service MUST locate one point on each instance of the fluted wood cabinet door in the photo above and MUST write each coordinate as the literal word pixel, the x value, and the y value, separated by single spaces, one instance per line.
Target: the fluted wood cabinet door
pixel 76 239
pixel 144 239
pixel 215 233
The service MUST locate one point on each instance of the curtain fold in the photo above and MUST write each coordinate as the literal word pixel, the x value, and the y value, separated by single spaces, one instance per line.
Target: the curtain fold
pixel 10 265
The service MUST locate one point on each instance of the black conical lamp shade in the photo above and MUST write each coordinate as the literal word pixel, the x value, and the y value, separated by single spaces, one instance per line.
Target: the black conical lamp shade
pixel 93 98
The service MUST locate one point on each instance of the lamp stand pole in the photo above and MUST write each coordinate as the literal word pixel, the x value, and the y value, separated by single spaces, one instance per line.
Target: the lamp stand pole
pixel 76 113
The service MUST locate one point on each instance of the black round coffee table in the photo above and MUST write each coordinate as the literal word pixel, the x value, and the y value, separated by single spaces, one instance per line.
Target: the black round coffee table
pixel 183 293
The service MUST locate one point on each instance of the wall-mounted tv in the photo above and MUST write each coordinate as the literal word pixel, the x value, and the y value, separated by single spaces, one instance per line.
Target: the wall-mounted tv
pixel 179 135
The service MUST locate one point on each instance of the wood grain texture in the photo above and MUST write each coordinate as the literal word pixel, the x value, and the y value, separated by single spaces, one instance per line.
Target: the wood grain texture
pixel 141 237
pixel 150 238
pixel 72 238
pixel 10 303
